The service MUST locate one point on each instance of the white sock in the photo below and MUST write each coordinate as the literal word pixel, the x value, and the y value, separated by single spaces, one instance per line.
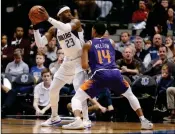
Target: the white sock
pixel 85 110
pixel 142 118
pixel 77 118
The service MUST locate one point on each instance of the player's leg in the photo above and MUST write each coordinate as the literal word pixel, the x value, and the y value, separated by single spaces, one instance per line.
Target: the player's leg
pixel 145 124
pixel 56 85
pixel 87 90
pixel 77 82
pixel 79 97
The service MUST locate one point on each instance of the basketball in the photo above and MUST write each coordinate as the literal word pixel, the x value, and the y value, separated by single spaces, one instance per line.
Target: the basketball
pixel 34 15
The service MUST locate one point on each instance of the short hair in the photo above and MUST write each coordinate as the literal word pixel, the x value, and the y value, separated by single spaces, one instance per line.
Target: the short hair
pixel 40 54
pixel 165 47
pixel 45 70
pixel 147 42
pixel 100 28
pixel 139 38
pixel 131 48
pixel 3 35
pixel 166 67
pixel 18 52
pixel 164 0
pixel 126 33
pixel 19 27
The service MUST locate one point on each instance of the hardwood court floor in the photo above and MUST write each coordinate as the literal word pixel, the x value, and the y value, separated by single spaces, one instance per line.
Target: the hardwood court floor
pixel 32 126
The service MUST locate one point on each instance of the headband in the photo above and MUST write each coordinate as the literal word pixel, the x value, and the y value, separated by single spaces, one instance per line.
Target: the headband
pixel 62 10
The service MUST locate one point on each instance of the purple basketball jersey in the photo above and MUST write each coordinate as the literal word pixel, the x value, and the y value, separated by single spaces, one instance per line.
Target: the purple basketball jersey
pixel 101 54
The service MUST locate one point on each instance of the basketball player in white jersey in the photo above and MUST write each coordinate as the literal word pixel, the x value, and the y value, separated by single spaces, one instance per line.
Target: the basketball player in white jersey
pixel 70 36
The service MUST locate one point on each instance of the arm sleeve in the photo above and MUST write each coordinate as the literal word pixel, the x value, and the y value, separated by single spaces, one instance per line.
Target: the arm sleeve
pixel 7 83
pixel 26 69
pixel 40 41
pixel 58 24
pixel 7 68
pixel 36 92
pixel 147 60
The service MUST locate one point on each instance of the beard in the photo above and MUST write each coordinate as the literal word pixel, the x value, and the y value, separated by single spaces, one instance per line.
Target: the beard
pixel 51 49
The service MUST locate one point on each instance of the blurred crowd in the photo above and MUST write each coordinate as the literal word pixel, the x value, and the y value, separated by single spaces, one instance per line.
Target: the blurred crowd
pixel 148 58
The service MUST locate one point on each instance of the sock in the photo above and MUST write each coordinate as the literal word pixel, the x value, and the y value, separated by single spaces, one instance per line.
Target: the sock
pixel 77 118
pixel 85 110
pixel 142 118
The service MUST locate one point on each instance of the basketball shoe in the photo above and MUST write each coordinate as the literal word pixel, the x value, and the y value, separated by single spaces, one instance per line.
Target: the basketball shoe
pixel 52 121
pixel 87 123
pixel 77 124
pixel 146 124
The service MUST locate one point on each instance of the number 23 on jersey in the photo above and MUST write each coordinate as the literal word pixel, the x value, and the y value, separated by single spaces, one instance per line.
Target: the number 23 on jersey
pixel 103 54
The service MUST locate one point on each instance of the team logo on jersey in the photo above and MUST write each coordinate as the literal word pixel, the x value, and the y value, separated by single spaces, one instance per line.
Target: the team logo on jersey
pixel 64 36
pixel 145 81
pixel 24 78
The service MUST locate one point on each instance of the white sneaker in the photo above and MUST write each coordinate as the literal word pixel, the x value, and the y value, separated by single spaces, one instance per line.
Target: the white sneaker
pixel 146 124
pixel 77 124
pixel 87 123
pixel 52 121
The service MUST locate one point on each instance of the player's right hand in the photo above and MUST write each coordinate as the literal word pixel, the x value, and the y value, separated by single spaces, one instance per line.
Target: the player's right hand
pixel 42 11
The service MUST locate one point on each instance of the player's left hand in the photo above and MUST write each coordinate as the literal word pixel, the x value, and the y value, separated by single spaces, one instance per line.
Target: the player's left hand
pixel 42 11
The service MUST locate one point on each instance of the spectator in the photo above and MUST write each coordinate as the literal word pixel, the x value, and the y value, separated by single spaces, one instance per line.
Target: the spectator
pixel 155 66
pixel 18 66
pixel 128 65
pixel 105 7
pixel 169 44
pixel 52 49
pixel 8 96
pixel 6 52
pixel 153 50
pixel 104 98
pixel 41 94
pixel 20 42
pixel 141 14
pixel 171 103
pixel 33 47
pixel 165 81
pixel 147 44
pixel 125 41
pixel 83 9
pixel 44 51
pixel 171 19
pixel 56 65
pixel 140 52
pixel 157 19
pixel 36 70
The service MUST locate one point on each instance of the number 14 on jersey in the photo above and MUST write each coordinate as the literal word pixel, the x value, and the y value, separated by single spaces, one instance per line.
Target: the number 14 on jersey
pixel 102 55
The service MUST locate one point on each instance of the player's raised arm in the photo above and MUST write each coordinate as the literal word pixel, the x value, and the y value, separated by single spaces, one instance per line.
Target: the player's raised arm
pixel 42 41
pixel 68 26
pixel 84 57
pixel 36 18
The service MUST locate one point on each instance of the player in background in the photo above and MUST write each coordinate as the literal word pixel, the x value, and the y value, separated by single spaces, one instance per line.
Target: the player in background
pixel 69 33
pixel 99 55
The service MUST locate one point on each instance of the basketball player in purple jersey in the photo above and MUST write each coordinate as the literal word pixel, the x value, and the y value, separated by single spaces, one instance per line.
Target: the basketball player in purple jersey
pixel 99 55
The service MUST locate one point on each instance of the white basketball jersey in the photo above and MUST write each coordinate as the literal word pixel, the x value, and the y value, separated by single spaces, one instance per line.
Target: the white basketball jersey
pixel 71 43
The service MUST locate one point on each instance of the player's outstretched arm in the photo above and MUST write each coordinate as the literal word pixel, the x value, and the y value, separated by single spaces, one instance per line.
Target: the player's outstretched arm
pixel 42 41
pixel 68 27
pixel 84 57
